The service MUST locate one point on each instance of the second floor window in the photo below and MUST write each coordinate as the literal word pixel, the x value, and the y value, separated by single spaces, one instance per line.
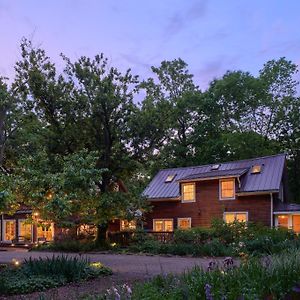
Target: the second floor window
pixel 227 189
pixel 188 192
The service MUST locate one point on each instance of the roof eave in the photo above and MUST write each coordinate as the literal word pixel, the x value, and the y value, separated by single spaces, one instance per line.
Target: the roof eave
pixel 287 212
pixel 266 192
pixel 164 199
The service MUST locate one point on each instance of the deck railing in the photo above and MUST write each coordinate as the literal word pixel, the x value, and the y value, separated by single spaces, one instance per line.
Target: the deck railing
pixel 124 238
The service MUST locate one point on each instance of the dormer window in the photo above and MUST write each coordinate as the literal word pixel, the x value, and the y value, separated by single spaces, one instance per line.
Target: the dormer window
pixel 215 167
pixel 170 178
pixel 256 169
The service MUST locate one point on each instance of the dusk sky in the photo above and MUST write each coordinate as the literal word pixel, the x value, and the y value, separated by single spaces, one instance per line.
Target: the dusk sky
pixel 211 36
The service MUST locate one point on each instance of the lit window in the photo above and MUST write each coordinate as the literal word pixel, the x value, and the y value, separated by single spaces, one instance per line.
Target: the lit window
pixel 170 178
pixel 227 187
pixel 45 231
pixel 128 225
pixel 86 230
pixel 230 217
pixel 9 230
pixel 25 230
pixel 184 223
pixel 296 223
pixel 188 192
pixel 163 225
pixel 283 221
pixel 256 169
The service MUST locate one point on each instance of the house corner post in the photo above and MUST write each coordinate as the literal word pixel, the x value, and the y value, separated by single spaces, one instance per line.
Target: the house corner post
pixel 271 198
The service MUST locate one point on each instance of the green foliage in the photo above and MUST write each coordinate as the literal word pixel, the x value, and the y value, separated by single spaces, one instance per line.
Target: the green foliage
pixel 222 239
pixel 41 274
pixel 274 278
pixel 77 132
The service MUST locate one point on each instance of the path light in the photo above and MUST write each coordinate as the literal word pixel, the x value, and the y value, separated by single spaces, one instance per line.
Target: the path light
pixel 96 265
pixel 16 262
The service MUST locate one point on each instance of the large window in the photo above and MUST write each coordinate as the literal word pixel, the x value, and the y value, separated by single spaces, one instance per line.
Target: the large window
pixel 127 225
pixel 227 189
pixel 296 223
pixel 9 230
pixel 163 225
pixel 188 192
pixel 283 221
pixel 25 230
pixel 45 231
pixel 184 223
pixel 230 217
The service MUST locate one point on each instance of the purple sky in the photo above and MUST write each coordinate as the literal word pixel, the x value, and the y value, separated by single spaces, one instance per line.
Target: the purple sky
pixel 212 36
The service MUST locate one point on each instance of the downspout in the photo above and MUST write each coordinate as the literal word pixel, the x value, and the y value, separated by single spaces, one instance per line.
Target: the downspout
pixel 239 182
pixel 271 196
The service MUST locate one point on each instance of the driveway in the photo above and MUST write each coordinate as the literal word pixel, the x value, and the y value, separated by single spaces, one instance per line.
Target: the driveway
pixel 126 268
pixel 120 263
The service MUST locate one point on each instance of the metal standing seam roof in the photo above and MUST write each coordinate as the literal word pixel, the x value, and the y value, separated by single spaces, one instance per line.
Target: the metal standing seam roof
pixel 217 173
pixel 286 207
pixel 268 180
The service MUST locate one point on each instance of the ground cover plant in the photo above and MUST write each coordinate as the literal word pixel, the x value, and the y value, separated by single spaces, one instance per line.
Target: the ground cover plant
pixel 276 277
pixel 41 274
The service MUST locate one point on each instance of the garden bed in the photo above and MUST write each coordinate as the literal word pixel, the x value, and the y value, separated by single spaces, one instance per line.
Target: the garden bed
pixel 275 277
pixel 42 274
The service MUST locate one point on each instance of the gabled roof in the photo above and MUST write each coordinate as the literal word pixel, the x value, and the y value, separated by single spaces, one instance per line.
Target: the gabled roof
pixel 268 180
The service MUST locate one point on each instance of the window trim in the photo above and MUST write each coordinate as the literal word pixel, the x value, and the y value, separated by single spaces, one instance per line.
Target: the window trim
pixel 184 218
pixel 236 212
pixel 220 189
pixel 188 183
pixel 19 227
pixel 167 219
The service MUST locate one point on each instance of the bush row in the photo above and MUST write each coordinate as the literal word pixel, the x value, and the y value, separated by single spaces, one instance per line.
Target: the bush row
pixel 235 239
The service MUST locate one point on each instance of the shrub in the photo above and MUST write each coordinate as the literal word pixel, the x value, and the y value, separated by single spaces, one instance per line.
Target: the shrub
pixel 196 235
pixel 71 246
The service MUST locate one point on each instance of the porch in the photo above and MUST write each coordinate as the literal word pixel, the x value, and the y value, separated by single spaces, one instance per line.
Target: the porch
pixel 17 230
pixel 287 215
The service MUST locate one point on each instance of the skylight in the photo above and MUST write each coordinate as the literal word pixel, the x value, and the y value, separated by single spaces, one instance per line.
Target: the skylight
pixel 256 169
pixel 215 167
pixel 170 178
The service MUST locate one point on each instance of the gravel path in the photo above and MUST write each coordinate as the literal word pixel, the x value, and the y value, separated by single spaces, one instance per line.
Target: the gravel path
pixel 126 268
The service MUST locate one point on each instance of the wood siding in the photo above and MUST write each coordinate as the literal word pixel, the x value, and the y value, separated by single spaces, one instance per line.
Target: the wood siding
pixel 208 206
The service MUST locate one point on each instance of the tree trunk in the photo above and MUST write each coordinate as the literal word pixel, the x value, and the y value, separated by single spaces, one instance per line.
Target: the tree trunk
pixel 101 237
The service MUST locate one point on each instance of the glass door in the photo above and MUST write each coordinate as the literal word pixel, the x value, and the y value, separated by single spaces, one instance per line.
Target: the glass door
pixel 9 230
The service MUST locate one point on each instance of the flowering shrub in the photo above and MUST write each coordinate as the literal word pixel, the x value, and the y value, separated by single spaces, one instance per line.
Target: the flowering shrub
pixel 122 292
pixel 272 278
